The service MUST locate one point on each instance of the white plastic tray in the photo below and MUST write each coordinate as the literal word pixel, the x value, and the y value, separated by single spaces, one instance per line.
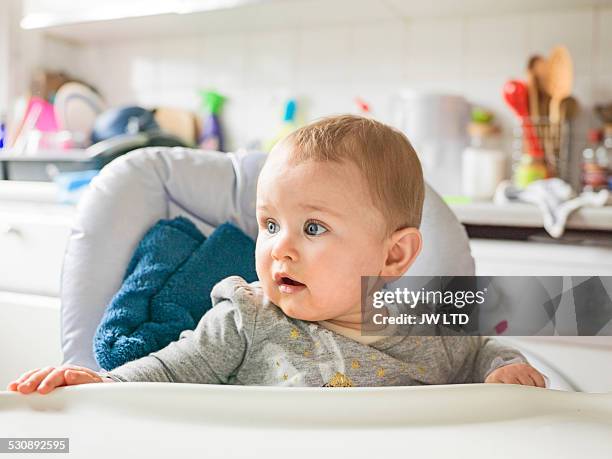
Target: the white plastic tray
pixel 176 420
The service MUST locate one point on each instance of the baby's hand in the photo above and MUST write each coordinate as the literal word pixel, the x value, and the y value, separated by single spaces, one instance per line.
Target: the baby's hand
pixel 46 379
pixel 517 373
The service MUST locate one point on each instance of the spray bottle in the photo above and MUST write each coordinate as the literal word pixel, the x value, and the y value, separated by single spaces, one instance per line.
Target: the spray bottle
pixel 212 137
pixel 288 125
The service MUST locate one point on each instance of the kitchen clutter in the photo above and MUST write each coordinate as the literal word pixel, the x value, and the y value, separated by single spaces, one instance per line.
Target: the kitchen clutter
pixel 555 199
pixel 57 114
pixel 465 154
pixel 544 109
pixel 64 126
pixel 597 156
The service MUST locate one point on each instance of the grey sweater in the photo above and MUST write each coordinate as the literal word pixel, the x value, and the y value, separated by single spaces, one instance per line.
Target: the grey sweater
pixel 244 339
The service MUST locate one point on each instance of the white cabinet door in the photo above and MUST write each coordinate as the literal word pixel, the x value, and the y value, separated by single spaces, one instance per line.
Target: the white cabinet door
pixel 32 248
pixel 29 334
pixel 521 258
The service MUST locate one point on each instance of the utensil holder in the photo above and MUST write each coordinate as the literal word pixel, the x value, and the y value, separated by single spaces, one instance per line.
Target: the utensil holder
pixel 540 136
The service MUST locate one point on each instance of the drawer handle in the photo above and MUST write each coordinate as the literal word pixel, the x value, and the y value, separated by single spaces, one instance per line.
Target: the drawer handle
pixel 8 230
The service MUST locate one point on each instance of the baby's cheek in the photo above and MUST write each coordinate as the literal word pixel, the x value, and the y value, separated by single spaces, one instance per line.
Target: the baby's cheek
pixel 262 259
pixel 341 290
pixel 263 269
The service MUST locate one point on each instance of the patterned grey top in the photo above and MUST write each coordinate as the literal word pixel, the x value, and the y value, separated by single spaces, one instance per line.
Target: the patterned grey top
pixel 244 339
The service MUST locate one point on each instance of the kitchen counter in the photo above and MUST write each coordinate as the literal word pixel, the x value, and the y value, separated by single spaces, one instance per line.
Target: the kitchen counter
pixel 510 240
pixel 524 215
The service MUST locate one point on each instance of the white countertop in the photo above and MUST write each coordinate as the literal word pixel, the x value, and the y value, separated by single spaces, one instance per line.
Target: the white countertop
pixel 528 215
pixel 20 191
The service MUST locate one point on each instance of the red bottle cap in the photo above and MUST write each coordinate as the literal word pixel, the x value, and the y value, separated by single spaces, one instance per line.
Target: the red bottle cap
pixel 595 135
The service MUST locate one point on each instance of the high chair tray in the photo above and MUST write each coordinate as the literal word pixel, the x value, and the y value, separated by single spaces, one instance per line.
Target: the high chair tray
pixel 172 420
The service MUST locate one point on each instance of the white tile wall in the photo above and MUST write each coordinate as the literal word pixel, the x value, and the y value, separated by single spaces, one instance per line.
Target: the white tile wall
pixel 326 67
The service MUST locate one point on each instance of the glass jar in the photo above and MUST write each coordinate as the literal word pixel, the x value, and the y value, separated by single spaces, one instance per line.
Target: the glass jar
pixel 595 163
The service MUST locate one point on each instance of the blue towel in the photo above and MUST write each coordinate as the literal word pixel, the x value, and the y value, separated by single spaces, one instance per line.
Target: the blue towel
pixel 167 287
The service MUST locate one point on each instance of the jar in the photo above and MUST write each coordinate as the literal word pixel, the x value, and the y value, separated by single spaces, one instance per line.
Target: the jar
pixel 483 165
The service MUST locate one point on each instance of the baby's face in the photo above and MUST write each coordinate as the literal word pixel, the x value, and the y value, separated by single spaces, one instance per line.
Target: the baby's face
pixel 318 234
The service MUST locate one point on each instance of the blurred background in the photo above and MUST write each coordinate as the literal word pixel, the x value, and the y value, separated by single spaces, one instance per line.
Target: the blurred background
pixel 384 58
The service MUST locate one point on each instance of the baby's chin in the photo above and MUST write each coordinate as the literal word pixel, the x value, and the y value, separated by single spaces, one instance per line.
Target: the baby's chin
pixel 293 308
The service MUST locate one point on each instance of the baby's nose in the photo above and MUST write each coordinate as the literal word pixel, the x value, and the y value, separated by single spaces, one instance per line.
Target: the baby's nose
pixel 284 247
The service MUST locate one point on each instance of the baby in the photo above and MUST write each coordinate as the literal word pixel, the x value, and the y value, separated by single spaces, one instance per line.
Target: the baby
pixel 336 200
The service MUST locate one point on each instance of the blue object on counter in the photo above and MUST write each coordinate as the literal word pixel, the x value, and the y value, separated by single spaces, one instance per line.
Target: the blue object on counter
pixel 167 287
pixel 72 185
pixel 123 120
pixel 290 109
pixel 2 134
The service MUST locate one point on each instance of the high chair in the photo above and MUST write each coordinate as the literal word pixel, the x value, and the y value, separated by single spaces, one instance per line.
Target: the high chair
pixel 210 188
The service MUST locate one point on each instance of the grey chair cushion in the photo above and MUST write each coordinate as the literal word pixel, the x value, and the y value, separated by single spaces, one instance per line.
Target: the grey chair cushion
pixel 136 190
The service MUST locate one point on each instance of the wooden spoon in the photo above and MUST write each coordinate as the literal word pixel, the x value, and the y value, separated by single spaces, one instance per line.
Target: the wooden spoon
pixel 559 80
pixel 568 111
pixel 539 101
pixel 534 73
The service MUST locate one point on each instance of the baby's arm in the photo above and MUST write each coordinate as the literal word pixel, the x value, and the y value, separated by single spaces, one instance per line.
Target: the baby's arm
pixel 496 363
pixel 517 373
pixel 210 354
pixel 46 379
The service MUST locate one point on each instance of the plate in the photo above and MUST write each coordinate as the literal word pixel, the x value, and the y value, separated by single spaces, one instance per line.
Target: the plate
pixel 76 109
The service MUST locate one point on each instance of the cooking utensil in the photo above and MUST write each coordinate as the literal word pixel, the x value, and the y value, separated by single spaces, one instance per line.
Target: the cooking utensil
pixel 532 86
pixel 604 112
pixel 569 110
pixel 559 80
pixel 517 97
pixel 539 102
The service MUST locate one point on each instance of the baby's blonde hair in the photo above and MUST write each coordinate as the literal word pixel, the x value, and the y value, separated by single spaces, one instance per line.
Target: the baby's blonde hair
pixel 382 154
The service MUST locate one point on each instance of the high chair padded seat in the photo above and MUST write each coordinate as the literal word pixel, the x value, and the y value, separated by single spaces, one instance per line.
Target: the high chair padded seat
pixel 136 190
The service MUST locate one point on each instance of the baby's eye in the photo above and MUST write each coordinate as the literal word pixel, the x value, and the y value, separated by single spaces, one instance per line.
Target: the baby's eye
pixel 314 228
pixel 271 226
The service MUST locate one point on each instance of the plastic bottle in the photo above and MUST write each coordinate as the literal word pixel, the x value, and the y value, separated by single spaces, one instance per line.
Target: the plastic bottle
pixel 288 125
pixel 594 163
pixel 608 146
pixel 212 135
pixel 2 131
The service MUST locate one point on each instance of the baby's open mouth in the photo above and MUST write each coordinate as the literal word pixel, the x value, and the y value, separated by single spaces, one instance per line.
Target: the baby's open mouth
pixel 289 281
pixel 288 285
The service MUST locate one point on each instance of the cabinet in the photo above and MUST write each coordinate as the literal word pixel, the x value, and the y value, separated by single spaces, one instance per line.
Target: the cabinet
pixel 495 257
pixel 32 243
pixel 34 232
pixel 29 334
pixel 92 21
pixel 585 249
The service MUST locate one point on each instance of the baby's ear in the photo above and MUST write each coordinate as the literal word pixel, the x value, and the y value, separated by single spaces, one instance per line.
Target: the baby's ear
pixel 403 246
